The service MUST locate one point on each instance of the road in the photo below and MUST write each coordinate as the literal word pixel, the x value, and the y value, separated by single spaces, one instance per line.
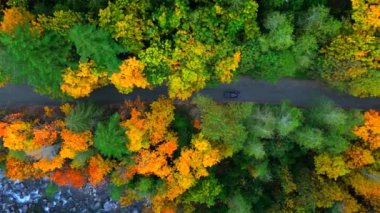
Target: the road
pixel 299 92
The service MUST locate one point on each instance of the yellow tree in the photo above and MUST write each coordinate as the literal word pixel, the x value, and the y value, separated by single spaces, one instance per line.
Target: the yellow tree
pixel 80 83
pixel 329 192
pixel 189 66
pixel 366 15
pixel 149 136
pixel 157 161
pixel 46 135
pixel 61 21
pixel 127 23
pixel 331 166
pixel 17 135
pixel 154 145
pixel 354 58
pixel 145 128
pixel 226 67
pixel 159 119
pixel 152 163
pixel 130 76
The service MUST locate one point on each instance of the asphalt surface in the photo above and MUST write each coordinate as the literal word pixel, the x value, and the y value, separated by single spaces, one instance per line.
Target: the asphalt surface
pixel 302 93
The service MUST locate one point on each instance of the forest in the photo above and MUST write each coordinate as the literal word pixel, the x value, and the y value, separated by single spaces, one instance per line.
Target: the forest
pixel 201 155
pixel 66 48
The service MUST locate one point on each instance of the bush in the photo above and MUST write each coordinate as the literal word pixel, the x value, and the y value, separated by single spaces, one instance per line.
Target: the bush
pixel 51 190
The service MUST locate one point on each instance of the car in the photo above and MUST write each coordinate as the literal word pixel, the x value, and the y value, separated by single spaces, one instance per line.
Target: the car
pixel 231 94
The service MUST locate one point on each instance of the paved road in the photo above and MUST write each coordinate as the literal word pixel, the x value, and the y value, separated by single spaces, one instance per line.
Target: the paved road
pixel 298 92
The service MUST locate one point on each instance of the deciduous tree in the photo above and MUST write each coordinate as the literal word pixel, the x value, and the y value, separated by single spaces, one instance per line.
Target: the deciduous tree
pixel 69 177
pixel 98 168
pixel 81 82
pixel 130 76
pixel 331 166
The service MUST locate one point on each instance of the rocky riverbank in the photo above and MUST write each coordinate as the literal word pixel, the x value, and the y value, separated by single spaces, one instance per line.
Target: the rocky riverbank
pixel 30 196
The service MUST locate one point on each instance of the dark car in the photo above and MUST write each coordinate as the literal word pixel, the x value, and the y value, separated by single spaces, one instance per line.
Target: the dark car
pixel 231 94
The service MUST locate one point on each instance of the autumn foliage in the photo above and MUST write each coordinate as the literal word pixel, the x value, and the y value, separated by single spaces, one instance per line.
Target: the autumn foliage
pixel 14 17
pixel 155 165
pixel 19 170
pixel 202 156
pixel 370 131
pixel 45 136
pixel 16 135
pixel 130 76
pixel 81 82
pixel 98 168
pixel 355 57
pixel 69 177
pixel 74 142
pixel 358 157
pixel 47 165
pixel 227 67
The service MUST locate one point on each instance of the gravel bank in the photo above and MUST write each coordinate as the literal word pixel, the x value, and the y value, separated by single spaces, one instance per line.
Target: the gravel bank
pixel 29 196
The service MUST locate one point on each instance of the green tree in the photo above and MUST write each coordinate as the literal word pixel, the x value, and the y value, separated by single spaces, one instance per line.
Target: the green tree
pixel 239 17
pixel 84 117
pixel 305 52
pixel 335 123
pixel 254 148
pixel 37 61
pixel 96 44
pixel 262 123
pixel 110 138
pixel 88 6
pixel 318 22
pixel 280 34
pixel 309 138
pixel 288 119
pixel 325 115
pixel 335 144
pixel 183 125
pixel 267 122
pixel 224 123
pixel 206 191
pixel 81 158
pixel 366 86
pixel 51 189
pixel 17 3
pixel 237 203
pixel 156 58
